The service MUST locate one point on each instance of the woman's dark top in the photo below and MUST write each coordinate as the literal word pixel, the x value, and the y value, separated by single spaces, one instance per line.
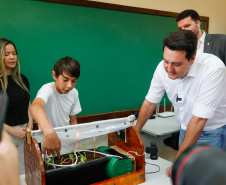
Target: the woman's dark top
pixel 17 113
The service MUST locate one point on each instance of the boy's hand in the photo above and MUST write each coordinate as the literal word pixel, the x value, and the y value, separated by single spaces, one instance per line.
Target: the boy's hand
pixel 51 143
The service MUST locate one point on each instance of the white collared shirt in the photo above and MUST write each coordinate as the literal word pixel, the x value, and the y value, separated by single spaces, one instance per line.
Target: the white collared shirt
pixel 200 43
pixel 200 93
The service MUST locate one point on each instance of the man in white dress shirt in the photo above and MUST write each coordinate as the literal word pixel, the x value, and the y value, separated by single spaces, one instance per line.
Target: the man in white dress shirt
pixel 195 84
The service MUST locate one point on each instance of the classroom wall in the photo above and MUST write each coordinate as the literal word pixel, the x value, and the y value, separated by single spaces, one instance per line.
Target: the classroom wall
pixel 118 51
pixel 43 32
pixel 215 10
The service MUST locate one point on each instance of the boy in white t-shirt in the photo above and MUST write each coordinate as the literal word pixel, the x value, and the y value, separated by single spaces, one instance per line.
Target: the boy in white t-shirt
pixel 57 103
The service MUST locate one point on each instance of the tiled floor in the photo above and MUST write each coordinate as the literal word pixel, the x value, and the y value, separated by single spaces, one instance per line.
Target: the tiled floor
pixel 167 153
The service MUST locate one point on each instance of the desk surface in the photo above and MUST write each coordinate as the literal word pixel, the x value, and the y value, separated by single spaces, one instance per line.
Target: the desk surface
pixel 158 178
pixel 161 126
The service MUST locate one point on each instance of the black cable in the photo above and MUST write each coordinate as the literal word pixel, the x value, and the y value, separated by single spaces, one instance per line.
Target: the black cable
pixel 153 165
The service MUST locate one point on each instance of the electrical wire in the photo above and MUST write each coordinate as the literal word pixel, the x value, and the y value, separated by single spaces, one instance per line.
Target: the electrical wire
pixel 153 165
pixel 135 153
pixel 76 158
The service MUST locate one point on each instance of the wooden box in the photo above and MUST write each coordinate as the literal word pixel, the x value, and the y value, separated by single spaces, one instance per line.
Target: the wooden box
pixel 35 172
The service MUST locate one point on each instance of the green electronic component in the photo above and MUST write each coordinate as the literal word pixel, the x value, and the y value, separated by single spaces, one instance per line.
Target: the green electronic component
pixel 116 166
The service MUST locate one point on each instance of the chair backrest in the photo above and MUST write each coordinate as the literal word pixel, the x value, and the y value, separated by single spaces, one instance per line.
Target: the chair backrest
pixel 3 109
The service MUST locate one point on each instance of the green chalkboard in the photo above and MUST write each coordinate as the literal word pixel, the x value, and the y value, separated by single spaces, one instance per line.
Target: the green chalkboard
pixel 118 51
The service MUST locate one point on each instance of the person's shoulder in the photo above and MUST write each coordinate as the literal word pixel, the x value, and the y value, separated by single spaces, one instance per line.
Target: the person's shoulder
pixel 160 67
pixel 23 77
pixel 210 60
pixel 160 64
pixel 217 36
pixel 25 80
pixel 48 86
pixel 45 91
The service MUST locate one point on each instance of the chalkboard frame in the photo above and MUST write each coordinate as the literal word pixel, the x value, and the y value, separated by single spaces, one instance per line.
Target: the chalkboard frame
pixel 108 6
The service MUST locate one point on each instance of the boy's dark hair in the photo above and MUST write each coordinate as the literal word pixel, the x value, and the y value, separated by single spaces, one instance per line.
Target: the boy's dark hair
pixel 67 65
pixel 182 40
pixel 186 13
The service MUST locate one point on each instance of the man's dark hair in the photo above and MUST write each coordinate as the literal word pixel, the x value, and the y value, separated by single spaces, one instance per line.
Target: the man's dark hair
pixel 186 13
pixel 182 40
pixel 68 65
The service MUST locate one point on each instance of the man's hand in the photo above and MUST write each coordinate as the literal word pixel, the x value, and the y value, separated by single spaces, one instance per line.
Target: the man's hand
pixel 193 132
pixel 51 143
pixel 145 113
pixel 169 171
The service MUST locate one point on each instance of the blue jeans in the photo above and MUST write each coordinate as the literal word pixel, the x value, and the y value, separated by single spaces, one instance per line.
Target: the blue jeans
pixel 216 138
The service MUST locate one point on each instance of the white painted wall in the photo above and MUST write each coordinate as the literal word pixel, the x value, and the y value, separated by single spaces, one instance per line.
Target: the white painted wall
pixel 214 9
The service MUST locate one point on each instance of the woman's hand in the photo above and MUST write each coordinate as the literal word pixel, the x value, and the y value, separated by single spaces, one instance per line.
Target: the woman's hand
pixel 20 133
